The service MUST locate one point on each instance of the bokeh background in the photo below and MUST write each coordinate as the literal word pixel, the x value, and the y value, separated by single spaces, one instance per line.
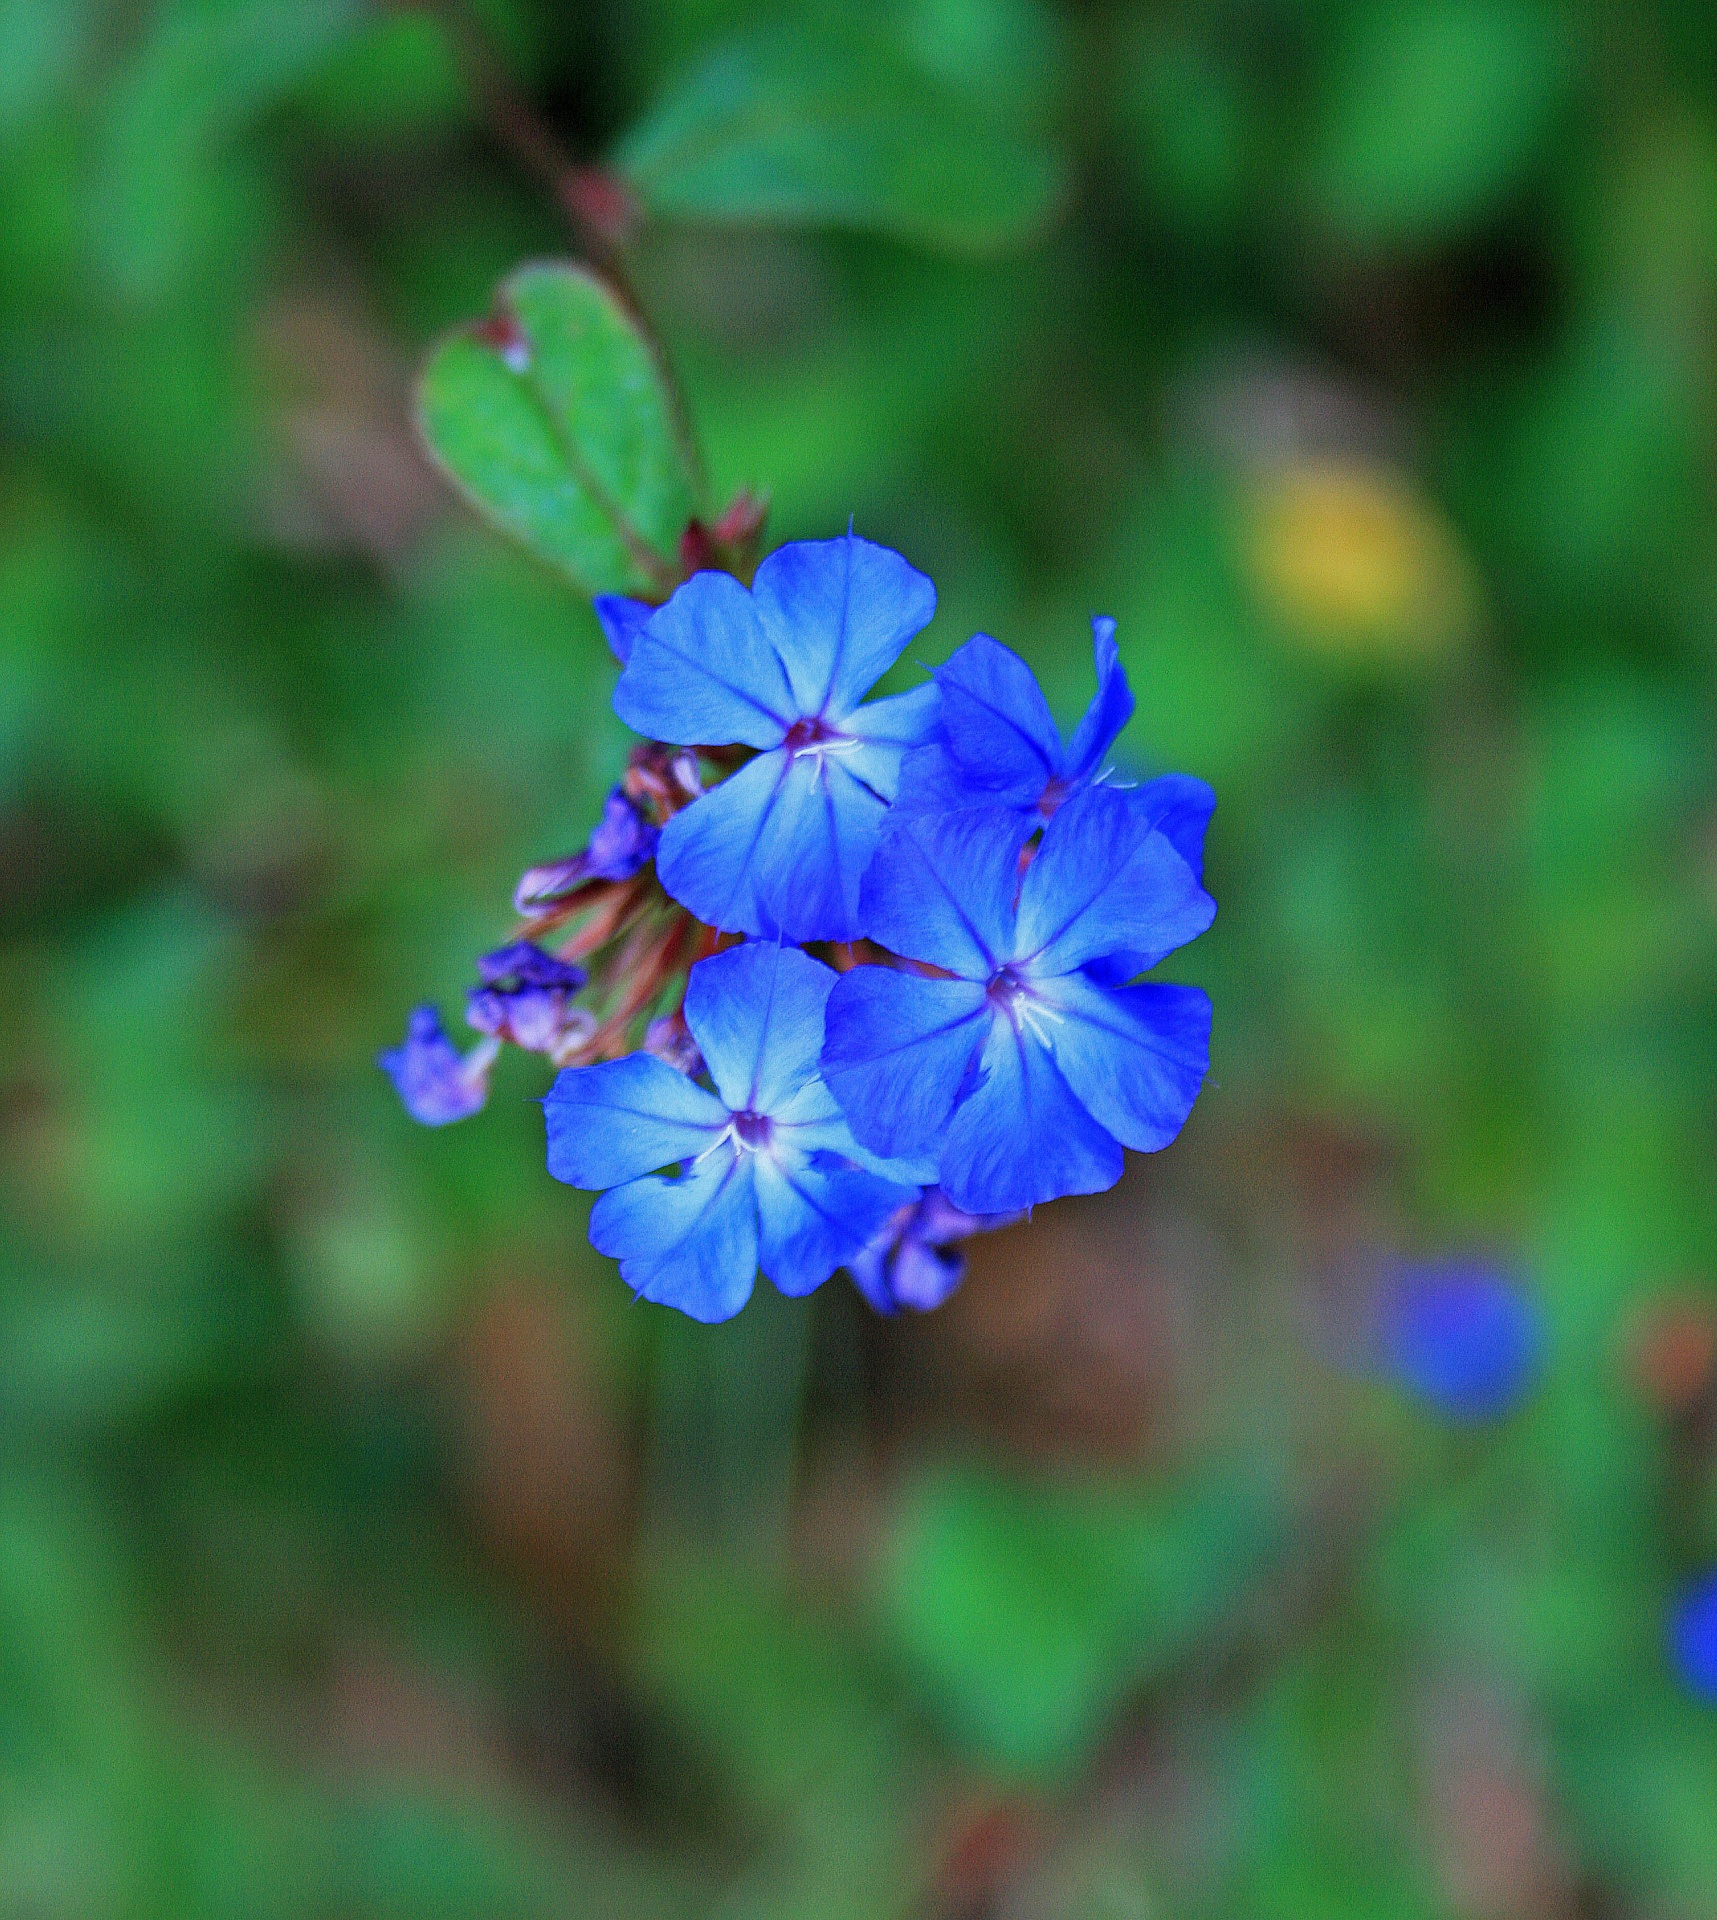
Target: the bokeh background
pixel 364 1551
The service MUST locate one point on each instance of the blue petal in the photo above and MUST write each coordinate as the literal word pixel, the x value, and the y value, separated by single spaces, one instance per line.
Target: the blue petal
pixel 812 1122
pixel 932 781
pixel 756 1012
pixel 819 840
pixel 889 729
pixel 1693 1637
pixel 707 857
pixel 1179 807
pixel 1135 1057
pixel 897 1053
pixel 813 1218
pixel 996 722
pixel 620 620
pixel 1108 712
pixel 689 1243
pixel 839 612
pixel 702 671
pixel 1104 881
pixel 435 1085
pixel 1022 1137
pixel 611 1123
pixel 942 888
pixel 1463 1336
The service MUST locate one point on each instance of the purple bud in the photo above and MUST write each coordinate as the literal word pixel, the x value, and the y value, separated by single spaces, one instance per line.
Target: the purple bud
pixel 434 1083
pixel 623 841
pixel 669 1039
pixel 908 1263
pixel 620 620
pixel 526 964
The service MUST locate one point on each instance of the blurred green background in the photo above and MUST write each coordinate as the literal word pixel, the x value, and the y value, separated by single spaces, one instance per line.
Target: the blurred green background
pixel 363 1551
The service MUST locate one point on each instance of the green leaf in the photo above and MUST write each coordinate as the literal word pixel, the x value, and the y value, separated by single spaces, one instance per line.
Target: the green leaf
pixel 553 418
pixel 787 128
pixel 1027 1610
pixel 1435 112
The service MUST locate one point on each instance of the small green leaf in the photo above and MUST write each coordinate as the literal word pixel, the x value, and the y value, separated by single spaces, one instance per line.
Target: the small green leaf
pixel 1027 1610
pixel 1435 112
pixel 554 420
pixel 787 128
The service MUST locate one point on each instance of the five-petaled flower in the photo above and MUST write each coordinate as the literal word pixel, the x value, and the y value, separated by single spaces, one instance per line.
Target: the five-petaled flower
pixel 770 1174
pixel 780 846
pixel 1024 1073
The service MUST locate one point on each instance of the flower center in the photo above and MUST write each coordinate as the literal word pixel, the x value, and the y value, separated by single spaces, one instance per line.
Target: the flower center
pixel 818 737
pixel 752 1130
pixel 1009 993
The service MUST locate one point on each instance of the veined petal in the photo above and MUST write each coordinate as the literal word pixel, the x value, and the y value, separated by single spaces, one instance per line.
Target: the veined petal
pixel 708 857
pixel 756 1013
pixel 702 671
pixel 839 612
pixel 812 855
pixel 942 888
pixel 897 1052
pixel 689 1243
pixel 1110 709
pixel 996 721
pixel 813 1217
pixel 812 1122
pixel 1135 1056
pixel 608 1124
pixel 1021 1136
pixel 889 729
pixel 1105 881
pixel 1179 807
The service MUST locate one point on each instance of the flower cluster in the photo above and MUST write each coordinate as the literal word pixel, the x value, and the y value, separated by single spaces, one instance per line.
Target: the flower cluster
pixel 841 981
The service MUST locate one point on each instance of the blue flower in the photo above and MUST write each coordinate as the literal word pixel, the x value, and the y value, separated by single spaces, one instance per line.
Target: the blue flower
pixel 771 1175
pixel 780 846
pixel 1693 1637
pixel 620 620
pixel 622 842
pixel 1461 1336
pixel 526 997
pixel 1025 1074
pixel 997 745
pixel 909 1262
pixel 434 1083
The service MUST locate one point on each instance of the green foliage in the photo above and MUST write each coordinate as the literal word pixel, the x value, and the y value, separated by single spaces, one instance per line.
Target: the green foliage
pixel 555 420
pixel 792 128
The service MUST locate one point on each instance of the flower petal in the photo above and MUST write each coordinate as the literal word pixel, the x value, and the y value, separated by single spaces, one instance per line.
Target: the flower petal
pixel 702 671
pixel 1021 1136
pixel 1179 806
pixel 942 888
pixel 756 1012
pixel 897 1052
pixel 996 721
pixel 1135 1056
pixel 813 1218
pixel 890 729
pixel 1105 881
pixel 689 1243
pixel 611 1123
pixel 1110 709
pixel 839 612
pixel 820 838
pixel 621 621
pixel 812 1122
pixel 708 855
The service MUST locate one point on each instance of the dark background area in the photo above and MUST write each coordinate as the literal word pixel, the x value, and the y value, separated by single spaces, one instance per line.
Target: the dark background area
pixel 364 1551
